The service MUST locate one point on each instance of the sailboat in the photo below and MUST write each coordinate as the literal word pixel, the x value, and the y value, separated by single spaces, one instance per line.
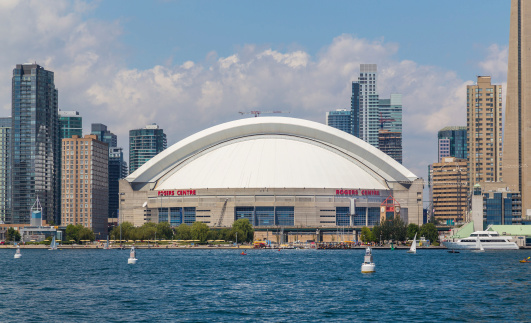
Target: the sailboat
pixel 107 247
pixel 53 245
pixel 17 253
pixel 413 248
pixel 132 256
pixel 479 246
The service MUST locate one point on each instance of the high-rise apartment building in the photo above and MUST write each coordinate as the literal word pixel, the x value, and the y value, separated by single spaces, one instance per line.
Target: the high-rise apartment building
pixel 103 134
pixel 117 171
pixel 449 180
pixel 452 142
pixel 85 187
pixel 517 136
pixel 5 170
pixel 145 144
pixel 70 124
pixel 390 142
pixel 365 105
pixel 340 119
pixel 484 131
pixel 35 144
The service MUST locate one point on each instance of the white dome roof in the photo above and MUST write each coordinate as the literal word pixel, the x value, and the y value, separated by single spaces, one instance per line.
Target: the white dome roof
pixel 270 152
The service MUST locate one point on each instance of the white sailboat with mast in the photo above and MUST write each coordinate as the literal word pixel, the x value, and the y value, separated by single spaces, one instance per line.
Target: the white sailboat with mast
pixel 17 253
pixel 53 244
pixel 413 248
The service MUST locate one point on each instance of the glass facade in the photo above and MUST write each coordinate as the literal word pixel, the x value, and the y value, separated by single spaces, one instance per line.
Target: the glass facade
pixel 366 110
pixel 163 214
pixel 374 215
pixel 339 119
pixel 501 208
pixel 266 215
pixel 103 134
pixel 452 142
pixel 342 216
pixel 70 123
pixel 145 144
pixel 117 171
pixel 189 215
pixel 391 113
pixel 176 216
pixel 5 167
pixel 35 143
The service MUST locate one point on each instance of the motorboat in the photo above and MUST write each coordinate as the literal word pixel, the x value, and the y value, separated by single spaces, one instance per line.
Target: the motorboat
pixel 413 248
pixel 368 266
pixel 488 240
pixel 17 253
pixel 132 256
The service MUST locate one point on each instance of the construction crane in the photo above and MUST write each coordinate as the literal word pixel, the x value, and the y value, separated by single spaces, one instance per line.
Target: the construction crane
pixel 383 120
pixel 257 113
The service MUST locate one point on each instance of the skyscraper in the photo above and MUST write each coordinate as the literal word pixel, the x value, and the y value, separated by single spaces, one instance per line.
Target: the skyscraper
pixel 70 123
pixel 35 143
pixel 85 188
pixel 390 113
pixel 117 171
pixel 450 190
pixel 451 142
pixel 484 131
pixel 5 170
pixel 390 142
pixel 145 144
pixel 103 134
pixel 365 105
pixel 517 136
pixel 340 119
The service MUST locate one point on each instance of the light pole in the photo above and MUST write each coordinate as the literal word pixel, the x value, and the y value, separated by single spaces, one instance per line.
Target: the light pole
pixel 120 215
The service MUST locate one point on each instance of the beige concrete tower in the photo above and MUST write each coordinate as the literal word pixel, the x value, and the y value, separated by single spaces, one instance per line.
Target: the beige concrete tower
pixel 85 183
pixel 484 132
pixel 517 137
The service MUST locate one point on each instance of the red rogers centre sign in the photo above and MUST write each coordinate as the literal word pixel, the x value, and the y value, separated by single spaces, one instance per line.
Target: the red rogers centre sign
pixel 358 192
pixel 176 193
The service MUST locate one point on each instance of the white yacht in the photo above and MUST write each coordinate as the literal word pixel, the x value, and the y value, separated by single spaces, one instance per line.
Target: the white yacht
pixel 489 240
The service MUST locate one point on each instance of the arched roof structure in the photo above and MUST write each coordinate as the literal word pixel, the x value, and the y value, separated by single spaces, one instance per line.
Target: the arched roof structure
pixel 271 152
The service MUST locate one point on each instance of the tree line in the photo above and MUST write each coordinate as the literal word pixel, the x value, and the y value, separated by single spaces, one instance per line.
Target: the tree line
pixel 241 228
pixel 397 230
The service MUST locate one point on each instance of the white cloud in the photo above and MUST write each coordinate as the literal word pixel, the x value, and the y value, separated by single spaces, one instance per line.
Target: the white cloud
pixel 92 78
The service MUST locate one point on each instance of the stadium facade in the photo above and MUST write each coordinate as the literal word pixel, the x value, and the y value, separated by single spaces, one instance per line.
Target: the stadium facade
pixel 274 171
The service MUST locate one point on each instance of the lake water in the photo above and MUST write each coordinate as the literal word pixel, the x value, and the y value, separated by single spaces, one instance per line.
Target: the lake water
pixel 264 285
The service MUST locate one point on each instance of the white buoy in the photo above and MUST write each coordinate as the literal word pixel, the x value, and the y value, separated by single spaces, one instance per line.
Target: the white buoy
pixel 17 253
pixel 368 266
pixel 132 257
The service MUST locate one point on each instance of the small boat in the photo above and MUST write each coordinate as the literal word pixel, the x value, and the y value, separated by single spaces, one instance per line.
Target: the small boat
pixel 453 251
pixel 53 245
pixel 243 253
pixel 479 246
pixel 132 256
pixel 413 248
pixel 17 253
pixel 368 266
pixel 523 260
pixel 107 247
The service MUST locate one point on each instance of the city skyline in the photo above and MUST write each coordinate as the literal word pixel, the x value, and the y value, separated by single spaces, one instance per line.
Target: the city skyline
pixel 105 69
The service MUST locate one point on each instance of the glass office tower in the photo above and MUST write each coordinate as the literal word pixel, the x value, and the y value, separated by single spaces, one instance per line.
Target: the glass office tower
pixel 340 119
pixel 117 171
pixel 70 123
pixel 5 170
pixel 35 143
pixel 103 134
pixel 145 144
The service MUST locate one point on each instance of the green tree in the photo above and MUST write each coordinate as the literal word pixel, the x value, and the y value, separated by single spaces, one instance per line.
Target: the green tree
pixel 164 230
pixel 128 230
pixel 12 234
pixel 412 229
pixel 86 234
pixel 429 231
pixel 394 229
pixel 78 233
pixel 200 231
pixel 244 229
pixel 183 232
pixel 366 235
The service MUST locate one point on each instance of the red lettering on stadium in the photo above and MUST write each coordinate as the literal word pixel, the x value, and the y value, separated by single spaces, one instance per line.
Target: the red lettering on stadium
pixel 176 193
pixel 358 192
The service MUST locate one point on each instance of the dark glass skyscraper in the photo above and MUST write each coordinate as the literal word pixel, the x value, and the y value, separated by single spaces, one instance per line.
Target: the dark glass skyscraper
pixel 340 119
pixel 103 134
pixel 117 171
pixel 145 144
pixel 35 143
pixel 452 142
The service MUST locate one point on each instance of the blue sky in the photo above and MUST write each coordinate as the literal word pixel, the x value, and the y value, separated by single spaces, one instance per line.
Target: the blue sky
pixel 189 65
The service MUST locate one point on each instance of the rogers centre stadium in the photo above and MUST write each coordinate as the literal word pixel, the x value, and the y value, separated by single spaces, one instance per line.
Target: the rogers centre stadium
pixel 277 172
